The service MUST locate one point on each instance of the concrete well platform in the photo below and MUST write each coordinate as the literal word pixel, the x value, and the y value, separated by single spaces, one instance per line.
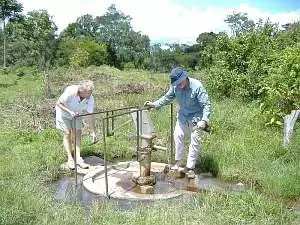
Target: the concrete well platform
pixel 168 185
pixel 121 186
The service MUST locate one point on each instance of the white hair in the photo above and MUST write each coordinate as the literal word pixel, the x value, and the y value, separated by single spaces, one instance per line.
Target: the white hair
pixel 86 86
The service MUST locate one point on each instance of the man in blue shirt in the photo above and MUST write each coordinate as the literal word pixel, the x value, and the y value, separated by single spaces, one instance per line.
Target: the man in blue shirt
pixel 193 115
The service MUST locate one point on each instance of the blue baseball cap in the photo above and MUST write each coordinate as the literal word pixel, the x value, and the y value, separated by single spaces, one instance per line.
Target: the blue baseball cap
pixel 178 75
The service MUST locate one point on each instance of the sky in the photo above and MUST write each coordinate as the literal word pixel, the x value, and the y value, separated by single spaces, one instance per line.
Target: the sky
pixel 170 21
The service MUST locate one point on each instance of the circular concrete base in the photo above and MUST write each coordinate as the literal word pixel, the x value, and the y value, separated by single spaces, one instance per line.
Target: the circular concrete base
pixel 169 183
pixel 121 186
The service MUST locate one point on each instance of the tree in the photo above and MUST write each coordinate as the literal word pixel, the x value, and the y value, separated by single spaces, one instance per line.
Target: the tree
pixel 163 60
pixel 81 52
pixel 155 57
pixel 72 31
pixel 239 23
pixel 124 44
pixel 137 48
pixel 290 36
pixel 43 35
pixel 84 26
pixel 114 27
pixel 88 25
pixel 32 39
pixel 206 39
pixel 8 9
pixel 281 87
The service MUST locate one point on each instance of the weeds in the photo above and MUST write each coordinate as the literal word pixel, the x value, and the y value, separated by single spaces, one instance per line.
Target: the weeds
pixel 239 149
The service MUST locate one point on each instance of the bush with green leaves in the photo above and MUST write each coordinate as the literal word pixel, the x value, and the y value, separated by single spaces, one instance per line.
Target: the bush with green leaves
pixel 281 88
pixel 81 52
pixel 79 58
pixel 240 64
pixel 262 64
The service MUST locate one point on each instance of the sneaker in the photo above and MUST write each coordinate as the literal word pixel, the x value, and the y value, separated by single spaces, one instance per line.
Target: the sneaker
pixel 190 174
pixel 82 164
pixel 176 165
pixel 71 164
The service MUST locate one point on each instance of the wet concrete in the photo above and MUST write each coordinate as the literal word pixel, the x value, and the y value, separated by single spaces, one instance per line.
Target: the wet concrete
pixel 124 193
pixel 166 188
pixel 121 186
pixel 67 192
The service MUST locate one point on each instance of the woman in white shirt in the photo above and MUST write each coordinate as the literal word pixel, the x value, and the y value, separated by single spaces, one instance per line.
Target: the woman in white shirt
pixel 74 100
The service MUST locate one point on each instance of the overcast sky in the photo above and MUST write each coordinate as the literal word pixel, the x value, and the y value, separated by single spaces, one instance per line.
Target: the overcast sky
pixel 178 21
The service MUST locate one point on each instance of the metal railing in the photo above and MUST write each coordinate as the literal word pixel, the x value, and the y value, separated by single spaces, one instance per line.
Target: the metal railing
pixel 110 116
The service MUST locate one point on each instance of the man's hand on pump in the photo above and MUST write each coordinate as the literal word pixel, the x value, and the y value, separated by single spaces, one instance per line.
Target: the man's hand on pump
pixel 149 104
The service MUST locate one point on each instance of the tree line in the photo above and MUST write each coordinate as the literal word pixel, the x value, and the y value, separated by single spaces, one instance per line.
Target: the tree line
pixel 32 40
pixel 257 61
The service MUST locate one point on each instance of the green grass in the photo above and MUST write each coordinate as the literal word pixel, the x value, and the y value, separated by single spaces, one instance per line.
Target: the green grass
pixel 239 149
pixel 209 208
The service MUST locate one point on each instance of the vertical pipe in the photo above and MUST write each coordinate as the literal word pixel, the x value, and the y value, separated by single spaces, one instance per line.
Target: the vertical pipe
pixel 75 155
pixel 137 135
pixel 112 122
pixel 107 124
pixel 141 121
pixel 105 160
pixel 172 137
pixel 140 112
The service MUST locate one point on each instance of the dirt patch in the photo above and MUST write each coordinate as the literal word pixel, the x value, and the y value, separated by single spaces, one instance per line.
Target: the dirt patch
pixel 129 89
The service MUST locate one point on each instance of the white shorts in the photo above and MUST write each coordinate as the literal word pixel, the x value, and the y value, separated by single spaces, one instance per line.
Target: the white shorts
pixel 65 123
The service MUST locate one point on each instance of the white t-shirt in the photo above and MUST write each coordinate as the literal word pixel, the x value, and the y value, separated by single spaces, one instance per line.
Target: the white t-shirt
pixel 72 101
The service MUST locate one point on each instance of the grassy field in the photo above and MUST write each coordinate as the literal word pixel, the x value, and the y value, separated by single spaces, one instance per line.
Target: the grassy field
pixel 239 149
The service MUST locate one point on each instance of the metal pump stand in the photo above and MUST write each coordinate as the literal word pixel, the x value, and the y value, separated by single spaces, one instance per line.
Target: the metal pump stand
pixel 143 152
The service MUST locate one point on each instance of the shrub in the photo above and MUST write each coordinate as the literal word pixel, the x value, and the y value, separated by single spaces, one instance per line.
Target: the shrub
pixel 281 88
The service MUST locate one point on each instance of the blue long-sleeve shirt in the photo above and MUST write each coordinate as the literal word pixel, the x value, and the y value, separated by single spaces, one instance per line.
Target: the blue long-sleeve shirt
pixel 194 101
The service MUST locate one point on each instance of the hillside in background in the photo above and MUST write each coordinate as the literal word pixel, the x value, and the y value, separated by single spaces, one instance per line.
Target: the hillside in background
pixel 241 148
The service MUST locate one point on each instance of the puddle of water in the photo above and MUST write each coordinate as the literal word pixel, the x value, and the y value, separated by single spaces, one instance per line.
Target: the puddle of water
pixel 165 184
pixel 67 192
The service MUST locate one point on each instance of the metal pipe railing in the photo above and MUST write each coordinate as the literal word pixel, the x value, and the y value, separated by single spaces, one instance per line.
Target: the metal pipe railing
pixel 112 124
pixel 137 135
pixel 105 159
pixel 172 136
pixel 107 124
pixel 75 155
pixel 104 111
pixel 105 128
